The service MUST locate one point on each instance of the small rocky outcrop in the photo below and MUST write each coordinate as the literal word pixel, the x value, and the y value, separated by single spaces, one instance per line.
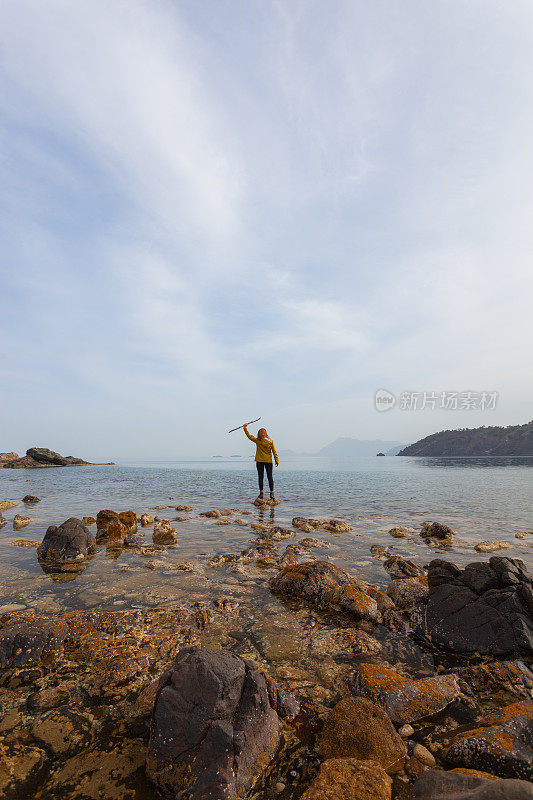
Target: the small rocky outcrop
pixel 42 457
pixel 501 743
pixel 66 548
pixel 147 519
pixel 213 729
pixel 403 699
pixel 349 779
pixel 358 728
pixel 20 521
pixel 164 533
pixel 438 785
pixel 5 505
pixel 326 586
pixel 3 520
pixel 485 608
pixel 491 546
pixel 45 456
pixel 31 499
pixel 437 533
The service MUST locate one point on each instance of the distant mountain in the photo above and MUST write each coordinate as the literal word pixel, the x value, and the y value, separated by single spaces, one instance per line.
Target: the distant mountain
pixel 515 440
pixel 395 450
pixel 345 446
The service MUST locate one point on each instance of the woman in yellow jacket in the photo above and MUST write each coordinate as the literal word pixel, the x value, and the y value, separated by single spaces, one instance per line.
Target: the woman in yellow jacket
pixel 263 458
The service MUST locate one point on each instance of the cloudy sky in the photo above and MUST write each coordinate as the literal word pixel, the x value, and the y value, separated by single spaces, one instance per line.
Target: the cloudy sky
pixel 223 209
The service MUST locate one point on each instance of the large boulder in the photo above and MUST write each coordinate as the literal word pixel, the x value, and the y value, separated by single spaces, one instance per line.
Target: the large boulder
pixel 501 743
pixel 349 779
pixel 485 608
pixel 67 547
pixel 358 728
pixel 213 729
pixel 326 586
pixel 45 456
pixel 438 785
pixel 403 699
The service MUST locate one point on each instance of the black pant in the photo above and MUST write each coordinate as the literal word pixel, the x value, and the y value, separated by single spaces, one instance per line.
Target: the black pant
pixel 261 466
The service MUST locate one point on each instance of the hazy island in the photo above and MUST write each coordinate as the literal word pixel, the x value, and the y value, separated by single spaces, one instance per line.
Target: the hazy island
pixel 514 440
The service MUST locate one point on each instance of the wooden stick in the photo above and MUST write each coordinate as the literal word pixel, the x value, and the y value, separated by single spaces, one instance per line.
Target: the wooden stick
pixel 242 426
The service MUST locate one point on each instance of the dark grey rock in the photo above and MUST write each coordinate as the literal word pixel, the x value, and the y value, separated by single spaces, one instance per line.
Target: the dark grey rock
pixel 69 544
pixel 45 456
pixel 485 608
pixel 213 729
pixel 438 785
pixel 31 498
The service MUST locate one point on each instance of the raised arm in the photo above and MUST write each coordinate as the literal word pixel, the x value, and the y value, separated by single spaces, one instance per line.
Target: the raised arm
pixel 274 451
pixel 249 435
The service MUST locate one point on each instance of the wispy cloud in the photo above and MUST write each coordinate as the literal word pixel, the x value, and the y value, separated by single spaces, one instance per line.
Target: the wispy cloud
pixel 207 207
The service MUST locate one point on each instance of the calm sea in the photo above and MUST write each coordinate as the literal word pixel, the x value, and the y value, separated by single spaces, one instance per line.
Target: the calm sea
pixel 480 499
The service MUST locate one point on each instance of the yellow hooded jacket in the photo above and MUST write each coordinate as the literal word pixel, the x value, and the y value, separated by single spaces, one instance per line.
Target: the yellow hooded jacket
pixel 265 449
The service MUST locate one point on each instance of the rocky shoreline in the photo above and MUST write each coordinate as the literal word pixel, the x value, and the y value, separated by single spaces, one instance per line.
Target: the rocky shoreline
pixel 334 689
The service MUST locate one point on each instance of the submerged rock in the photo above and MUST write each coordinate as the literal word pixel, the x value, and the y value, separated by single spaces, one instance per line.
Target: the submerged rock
pixel 358 728
pixel 213 729
pixel 485 608
pixel 403 699
pixel 343 643
pixel 67 547
pixel 437 533
pixel 349 779
pixel 501 743
pixel 438 785
pixel 326 586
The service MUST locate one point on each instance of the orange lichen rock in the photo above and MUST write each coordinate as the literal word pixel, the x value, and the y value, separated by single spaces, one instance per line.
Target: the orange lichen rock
pixel 404 700
pixel 500 744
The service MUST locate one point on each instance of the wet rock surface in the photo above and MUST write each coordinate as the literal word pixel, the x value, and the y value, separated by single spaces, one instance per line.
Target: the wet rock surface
pixel 213 729
pixel 66 547
pixel 485 608
pixel 327 586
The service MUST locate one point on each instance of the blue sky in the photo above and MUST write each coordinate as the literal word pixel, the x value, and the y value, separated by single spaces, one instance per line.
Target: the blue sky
pixel 213 211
